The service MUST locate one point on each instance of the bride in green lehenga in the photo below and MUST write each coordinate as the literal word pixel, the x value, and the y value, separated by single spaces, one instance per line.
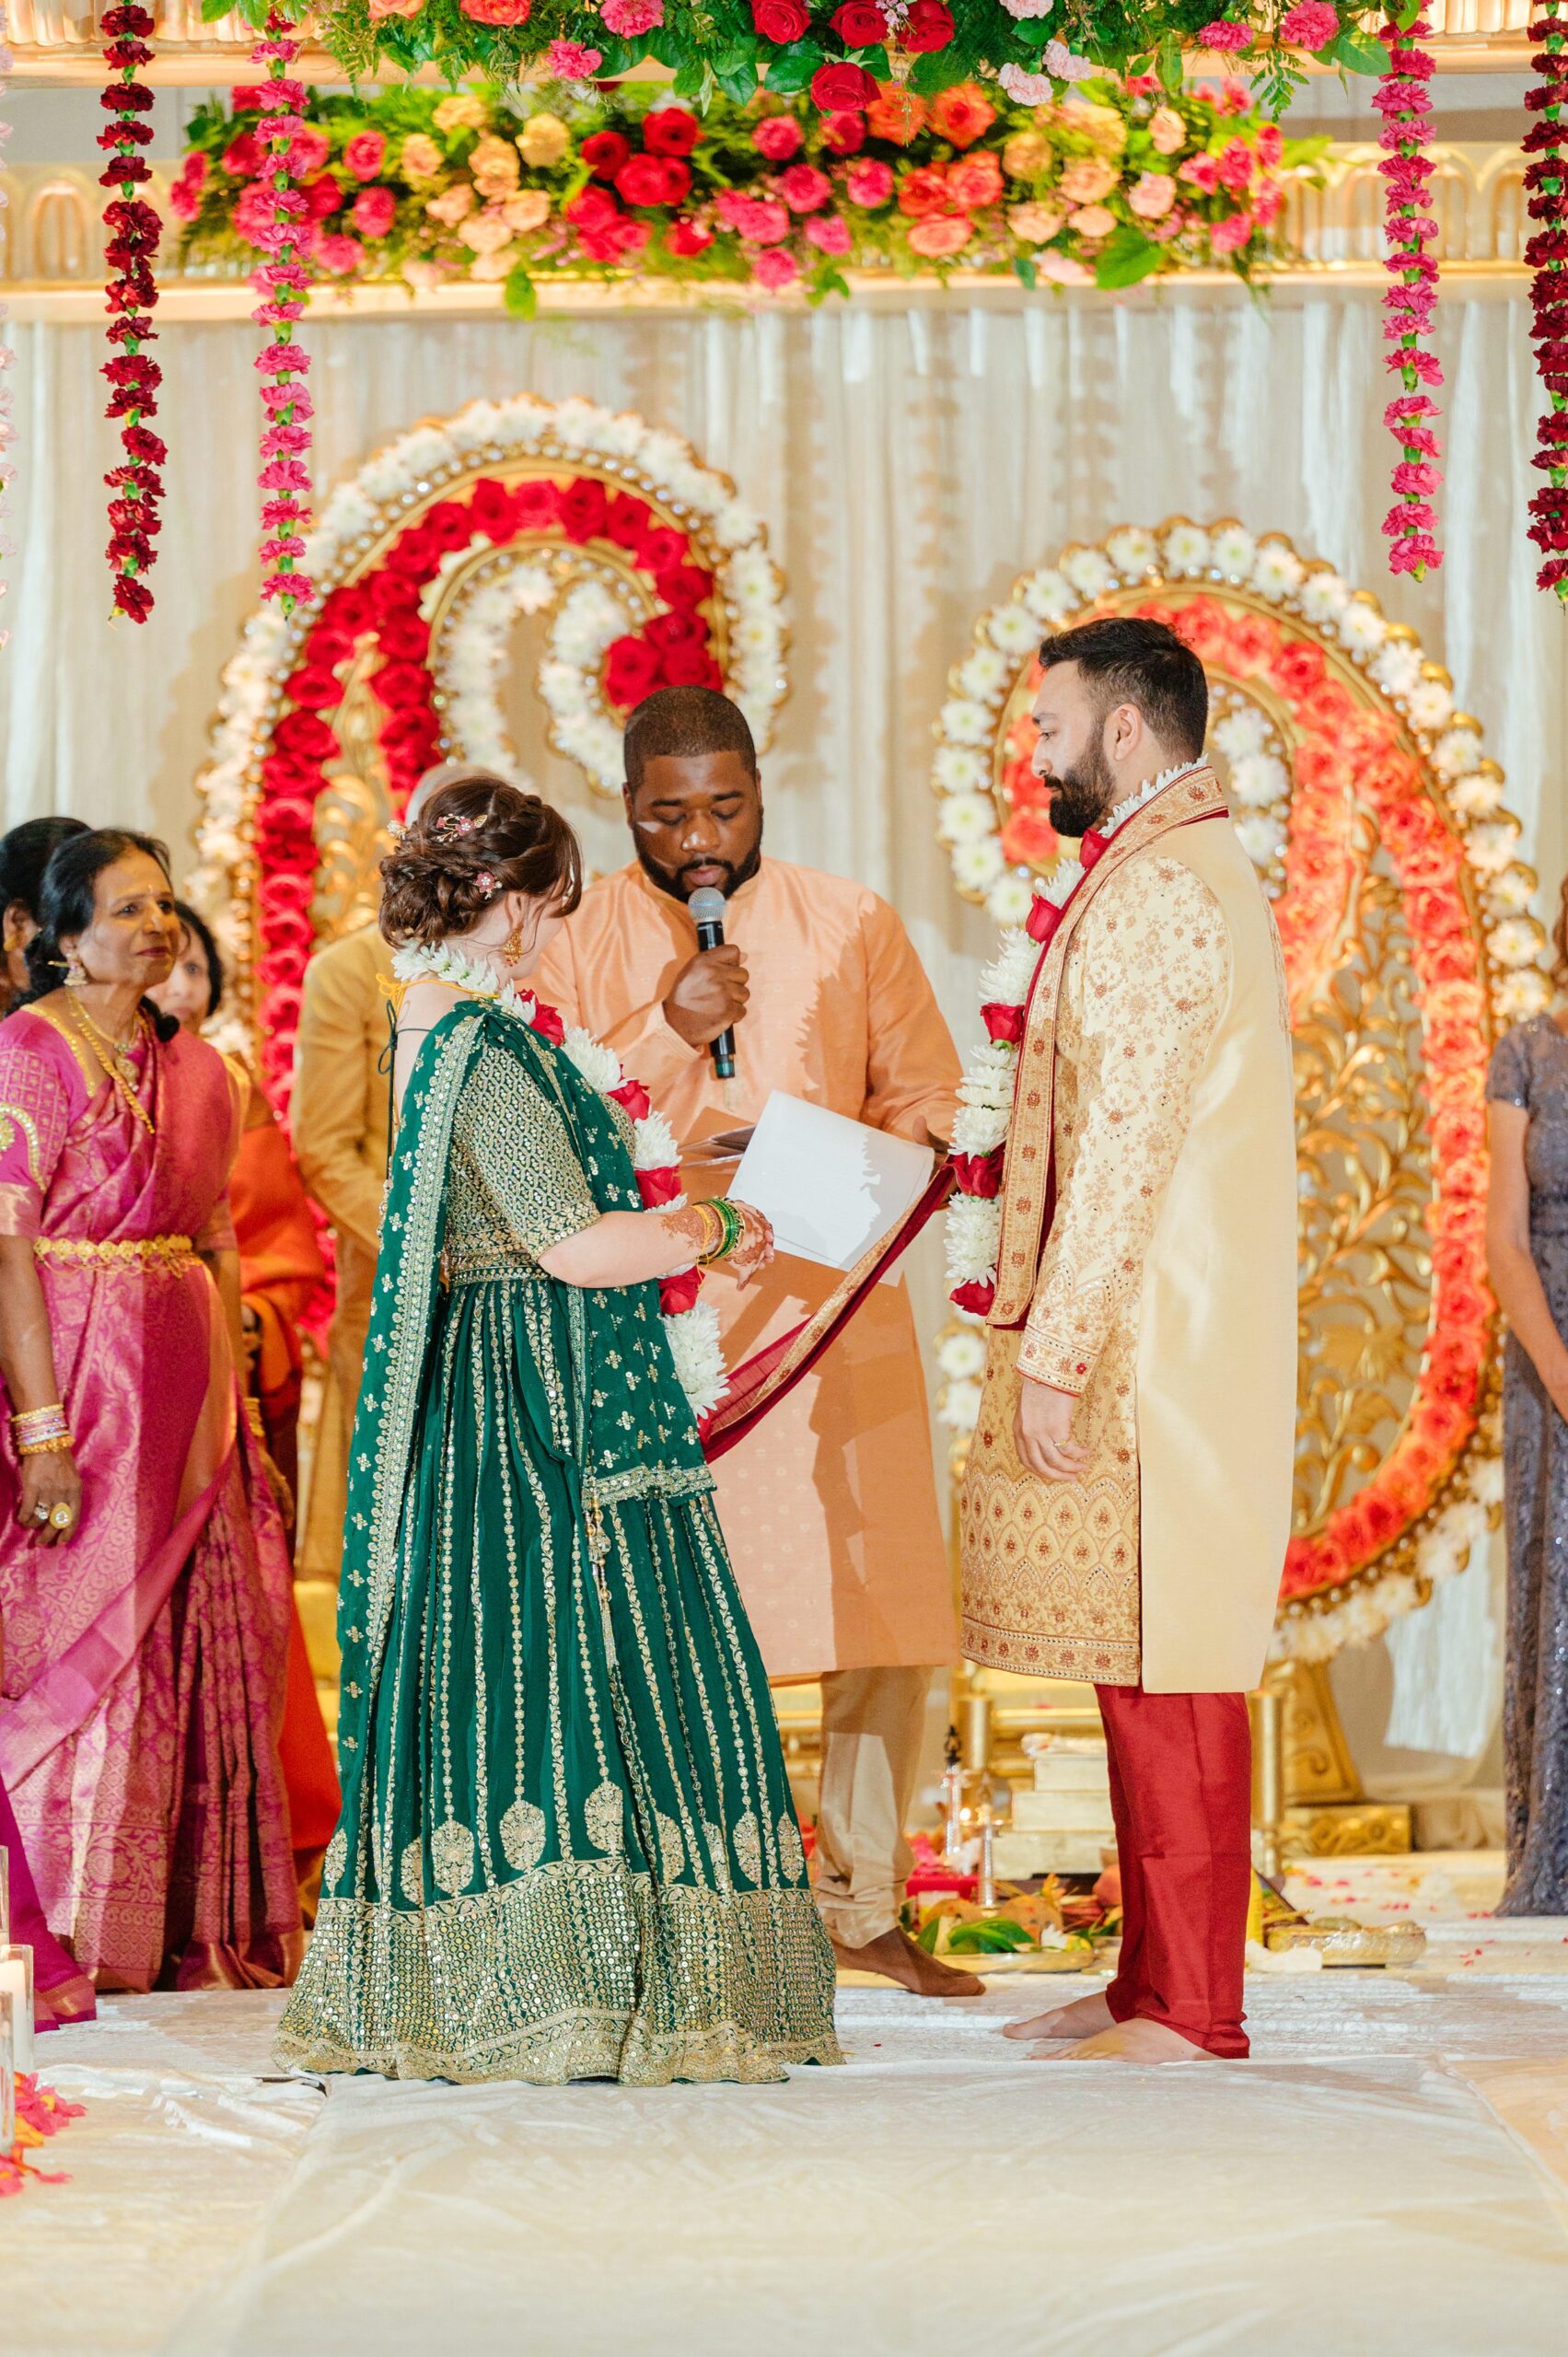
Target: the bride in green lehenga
pixel 567 1846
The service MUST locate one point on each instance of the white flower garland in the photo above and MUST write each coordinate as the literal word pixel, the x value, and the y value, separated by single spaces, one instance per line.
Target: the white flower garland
pixel 439 457
pixel 1135 558
pixel 692 1334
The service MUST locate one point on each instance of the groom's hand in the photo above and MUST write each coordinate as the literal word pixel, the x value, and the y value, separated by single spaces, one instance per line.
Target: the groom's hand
pixel 1042 1433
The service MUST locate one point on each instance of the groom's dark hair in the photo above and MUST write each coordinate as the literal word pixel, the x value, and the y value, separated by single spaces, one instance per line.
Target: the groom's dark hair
pixel 682 725
pixel 1129 660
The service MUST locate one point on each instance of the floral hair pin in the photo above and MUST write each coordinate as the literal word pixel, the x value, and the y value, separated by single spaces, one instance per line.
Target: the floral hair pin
pixel 486 882
pixel 398 830
pixel 452 826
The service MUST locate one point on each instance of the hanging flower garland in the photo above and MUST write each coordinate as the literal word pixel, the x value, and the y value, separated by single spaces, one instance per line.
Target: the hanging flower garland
pixel 690 1325
pixel 282 283
pixel 134 230
pixel 1403 100
pixel 1545 177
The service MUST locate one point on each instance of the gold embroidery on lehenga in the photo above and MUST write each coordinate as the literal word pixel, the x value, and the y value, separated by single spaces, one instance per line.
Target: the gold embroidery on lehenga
pixel 671 1848
pixel 410 1874
pixel 451 1856
pixel 522 1836
pixel 749 1847
pixel 792 1855
pixel 604 1818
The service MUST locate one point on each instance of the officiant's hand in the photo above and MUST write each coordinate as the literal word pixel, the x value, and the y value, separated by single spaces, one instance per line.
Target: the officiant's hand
pixel 710 993
pixel 1042 1433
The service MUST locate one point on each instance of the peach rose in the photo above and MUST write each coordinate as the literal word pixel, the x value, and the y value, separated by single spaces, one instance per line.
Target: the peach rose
pixel 495 166
pixel 380 9
pixel 543 140
pixel 420 158
pixel 1026 155
pixel 486 232
pixel 490 268
pixel 1102 125
pixel 1087 181
pixel 453 204
pixel 462 111
pixel 1065 269
pixel 975 181
pixel 942 235
pixel 1152 195
pixel 1092 221
pixel 1168 132
pixel 529 210
pixel 1036 224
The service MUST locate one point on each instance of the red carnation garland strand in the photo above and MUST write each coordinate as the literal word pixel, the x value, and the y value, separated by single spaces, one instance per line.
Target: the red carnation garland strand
pixel 282 283
pixel 1403 99
pixel 1547 255
pixel 134 230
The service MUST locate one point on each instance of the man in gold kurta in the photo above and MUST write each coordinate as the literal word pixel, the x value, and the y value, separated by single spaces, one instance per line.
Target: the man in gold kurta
pixel 1127 1502
pixel 830 1507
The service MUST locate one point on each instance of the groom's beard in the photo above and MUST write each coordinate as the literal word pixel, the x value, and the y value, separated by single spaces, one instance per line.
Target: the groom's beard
pixel 1082 794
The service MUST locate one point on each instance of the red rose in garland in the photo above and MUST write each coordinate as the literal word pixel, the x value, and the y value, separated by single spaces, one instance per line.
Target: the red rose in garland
pixel 282 283
pixel 1545 177
pixel 134 377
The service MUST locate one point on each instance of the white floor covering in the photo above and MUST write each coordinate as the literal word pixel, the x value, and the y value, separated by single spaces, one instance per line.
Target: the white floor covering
pixel 1388 2174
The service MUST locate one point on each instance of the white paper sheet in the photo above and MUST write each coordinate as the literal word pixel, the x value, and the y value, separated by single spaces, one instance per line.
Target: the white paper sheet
pixel 831 1186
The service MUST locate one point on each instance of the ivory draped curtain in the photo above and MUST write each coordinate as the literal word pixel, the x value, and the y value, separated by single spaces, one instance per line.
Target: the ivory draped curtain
pixel 908 463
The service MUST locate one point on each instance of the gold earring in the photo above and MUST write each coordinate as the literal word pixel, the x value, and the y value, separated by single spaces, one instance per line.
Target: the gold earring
pixel 76 972
pixel 512 948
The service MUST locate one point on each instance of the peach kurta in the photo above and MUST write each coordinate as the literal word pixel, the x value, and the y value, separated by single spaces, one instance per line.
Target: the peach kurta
pixel 830 1507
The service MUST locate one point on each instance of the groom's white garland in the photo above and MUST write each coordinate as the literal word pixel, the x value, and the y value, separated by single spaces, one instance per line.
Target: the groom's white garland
pixel 693 1328
pixel 987 1089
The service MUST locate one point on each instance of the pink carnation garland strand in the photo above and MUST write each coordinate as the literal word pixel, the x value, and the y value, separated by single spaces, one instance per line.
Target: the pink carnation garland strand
pixel 1403 99
pixel 134 230
pixel 1545 177
pixel 283 282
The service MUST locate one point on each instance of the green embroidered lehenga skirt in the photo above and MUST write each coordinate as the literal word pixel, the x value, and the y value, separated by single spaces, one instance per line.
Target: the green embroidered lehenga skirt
pixel 567 1846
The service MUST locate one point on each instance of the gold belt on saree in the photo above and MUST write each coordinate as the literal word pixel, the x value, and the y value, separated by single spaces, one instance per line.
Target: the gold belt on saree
pixel 149 1256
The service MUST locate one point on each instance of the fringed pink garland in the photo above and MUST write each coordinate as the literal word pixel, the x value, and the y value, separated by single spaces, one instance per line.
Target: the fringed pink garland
pixel 1401 99
pixel 1545 177
pixel 283 282
pixel 134 230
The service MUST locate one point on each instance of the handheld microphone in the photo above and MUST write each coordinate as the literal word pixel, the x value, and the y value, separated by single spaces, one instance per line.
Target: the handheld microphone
pixel 707 914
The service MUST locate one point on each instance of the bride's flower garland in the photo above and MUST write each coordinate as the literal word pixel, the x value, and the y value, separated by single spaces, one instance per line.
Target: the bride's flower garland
pixel 690 1325
pixel 987 1090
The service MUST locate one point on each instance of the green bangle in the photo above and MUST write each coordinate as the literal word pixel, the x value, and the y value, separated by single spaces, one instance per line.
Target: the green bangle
pixel 732 1229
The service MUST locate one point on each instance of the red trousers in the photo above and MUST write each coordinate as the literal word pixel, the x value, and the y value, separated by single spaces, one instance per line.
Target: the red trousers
pixel 1181 1796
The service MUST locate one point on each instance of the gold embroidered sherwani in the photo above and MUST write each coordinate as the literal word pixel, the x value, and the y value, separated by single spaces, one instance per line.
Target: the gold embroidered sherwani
pixel 339 1121
pixel 1152 1142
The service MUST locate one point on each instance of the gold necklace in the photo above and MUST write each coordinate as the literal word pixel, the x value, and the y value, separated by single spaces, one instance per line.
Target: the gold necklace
pixel 112 1055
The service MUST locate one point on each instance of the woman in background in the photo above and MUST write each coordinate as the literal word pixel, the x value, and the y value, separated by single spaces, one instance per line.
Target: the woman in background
pixel 1527 1258
pixel 143 1574
pixel 24 855
pixel 280 1268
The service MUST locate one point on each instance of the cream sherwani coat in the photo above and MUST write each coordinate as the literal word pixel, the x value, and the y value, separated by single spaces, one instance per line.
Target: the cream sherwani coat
pixel 1148 1254
pixel 830 1507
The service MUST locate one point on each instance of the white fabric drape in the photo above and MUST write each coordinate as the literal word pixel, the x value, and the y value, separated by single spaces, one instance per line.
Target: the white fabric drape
pixel 909 464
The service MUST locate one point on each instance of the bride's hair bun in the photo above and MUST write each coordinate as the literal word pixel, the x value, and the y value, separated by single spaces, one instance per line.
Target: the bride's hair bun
pixel 470 843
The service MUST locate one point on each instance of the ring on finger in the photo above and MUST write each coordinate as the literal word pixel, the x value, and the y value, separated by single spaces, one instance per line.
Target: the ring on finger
pixel 40 1511
pixel 61 1516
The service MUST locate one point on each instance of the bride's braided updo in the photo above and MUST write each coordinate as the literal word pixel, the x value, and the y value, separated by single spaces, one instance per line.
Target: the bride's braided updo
pixel 470 843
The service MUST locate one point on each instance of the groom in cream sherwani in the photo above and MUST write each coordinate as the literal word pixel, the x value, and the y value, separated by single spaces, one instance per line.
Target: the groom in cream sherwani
pixel 1128 1498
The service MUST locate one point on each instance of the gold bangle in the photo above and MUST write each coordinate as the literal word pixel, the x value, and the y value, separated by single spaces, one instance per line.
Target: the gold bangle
pixel 253 1416
pixel 56 1447
pixel 710 1252
pixel 25 1419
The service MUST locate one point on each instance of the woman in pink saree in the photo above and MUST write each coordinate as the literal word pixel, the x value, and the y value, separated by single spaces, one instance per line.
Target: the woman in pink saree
pixel 143 1576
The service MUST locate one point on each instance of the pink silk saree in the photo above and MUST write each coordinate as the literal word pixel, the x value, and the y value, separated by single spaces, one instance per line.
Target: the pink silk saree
pixel 143 1678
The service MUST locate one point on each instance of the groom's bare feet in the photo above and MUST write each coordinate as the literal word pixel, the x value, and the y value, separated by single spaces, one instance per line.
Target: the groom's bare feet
pixel 899 1958
pixel 1082 2018
pixel 1134 2041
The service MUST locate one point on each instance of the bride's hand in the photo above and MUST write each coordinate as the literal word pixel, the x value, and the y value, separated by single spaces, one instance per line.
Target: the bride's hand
pixel 49 1482
pixel 755 1248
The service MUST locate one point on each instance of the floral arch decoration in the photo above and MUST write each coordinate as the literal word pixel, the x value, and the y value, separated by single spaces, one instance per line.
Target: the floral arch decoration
pixel 1378 825
pixel 644 567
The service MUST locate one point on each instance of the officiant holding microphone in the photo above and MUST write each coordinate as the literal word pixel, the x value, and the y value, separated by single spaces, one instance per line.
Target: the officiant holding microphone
pixel 830 1505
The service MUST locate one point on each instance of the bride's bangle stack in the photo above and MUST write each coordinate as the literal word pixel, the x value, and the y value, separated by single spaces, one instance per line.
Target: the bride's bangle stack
pixel 42 1432
pixel 725 1229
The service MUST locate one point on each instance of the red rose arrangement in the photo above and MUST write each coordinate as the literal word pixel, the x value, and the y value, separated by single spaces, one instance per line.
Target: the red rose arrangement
pixel 133 376
pixel 1545 177
pixel 1403 99
pixel 382 606
pixel 283 284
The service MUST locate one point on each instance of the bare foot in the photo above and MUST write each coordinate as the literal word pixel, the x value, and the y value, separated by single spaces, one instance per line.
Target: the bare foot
pixel 1080 2019
pixel 899 1958
pixel 1134 2041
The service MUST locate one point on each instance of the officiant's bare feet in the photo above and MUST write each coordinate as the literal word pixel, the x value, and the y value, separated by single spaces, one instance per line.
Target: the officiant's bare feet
pixel 1082 2018
pixel 1134 2041
pixel 899 1958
